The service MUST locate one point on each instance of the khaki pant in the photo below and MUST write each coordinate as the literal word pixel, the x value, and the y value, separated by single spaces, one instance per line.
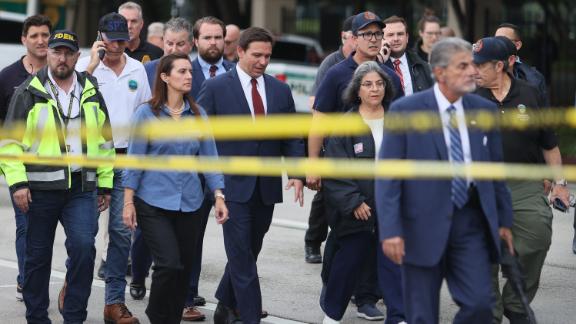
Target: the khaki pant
pixel 532 231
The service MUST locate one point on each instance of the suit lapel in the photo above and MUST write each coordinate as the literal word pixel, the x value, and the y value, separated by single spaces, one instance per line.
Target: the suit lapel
pixel 236 88
pixel 438 135
pixel 269 95
pixel 474 135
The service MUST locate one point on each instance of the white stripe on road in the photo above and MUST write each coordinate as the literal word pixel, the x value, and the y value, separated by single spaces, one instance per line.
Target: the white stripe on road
pixel 100 284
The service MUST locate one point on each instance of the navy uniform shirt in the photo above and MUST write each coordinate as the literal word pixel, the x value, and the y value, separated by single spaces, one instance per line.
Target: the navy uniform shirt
pixel 522 146
pixel 10 78
pixel 329 94
pixel 145 52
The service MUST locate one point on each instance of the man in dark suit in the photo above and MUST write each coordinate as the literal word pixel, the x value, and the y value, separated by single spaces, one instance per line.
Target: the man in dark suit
pixel 445 228
pixel 247 91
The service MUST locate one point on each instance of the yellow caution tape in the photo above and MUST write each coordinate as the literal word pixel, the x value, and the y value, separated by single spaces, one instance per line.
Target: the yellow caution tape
pixel 301 125
pixel 344 168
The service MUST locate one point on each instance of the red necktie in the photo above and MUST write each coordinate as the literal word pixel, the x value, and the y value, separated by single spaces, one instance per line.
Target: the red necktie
pixel 212 70
pixel 256 99
pixel 399 72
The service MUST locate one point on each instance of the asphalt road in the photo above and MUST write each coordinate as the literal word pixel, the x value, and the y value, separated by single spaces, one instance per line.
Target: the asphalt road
pixel 290 287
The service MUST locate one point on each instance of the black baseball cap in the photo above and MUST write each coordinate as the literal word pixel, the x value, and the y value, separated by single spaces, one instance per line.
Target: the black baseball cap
pixel 114 26
pixel 364 19
pixel 64 38
pixel 489 49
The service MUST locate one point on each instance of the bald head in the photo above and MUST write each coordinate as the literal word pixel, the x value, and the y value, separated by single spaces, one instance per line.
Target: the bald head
pixel 231 42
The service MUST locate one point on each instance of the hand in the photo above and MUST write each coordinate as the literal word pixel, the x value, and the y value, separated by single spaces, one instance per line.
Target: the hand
pixel 220 211
pixel 362 212
pixel 547 184
pixel 94 58
pixel 394 249
pixel 298 192
pixel 129 215
pixel 506 236
pixel 22 198
pixel 385 51
pixel 561 192
pixel 313 182
pixel 103 202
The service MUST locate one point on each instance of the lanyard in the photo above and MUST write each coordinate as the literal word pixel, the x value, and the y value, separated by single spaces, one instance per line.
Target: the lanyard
pixel 55 92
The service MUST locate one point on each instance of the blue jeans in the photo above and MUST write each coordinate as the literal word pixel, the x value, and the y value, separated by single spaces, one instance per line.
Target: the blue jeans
pixel 76 211
pixel 118 246
pixel 21 228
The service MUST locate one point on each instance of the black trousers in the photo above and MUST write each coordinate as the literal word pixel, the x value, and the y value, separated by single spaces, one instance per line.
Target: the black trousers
pixel 317 222
pixel 171 237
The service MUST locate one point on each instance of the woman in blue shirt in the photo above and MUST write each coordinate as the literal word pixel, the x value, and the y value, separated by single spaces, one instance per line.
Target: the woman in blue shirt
pixel 165 204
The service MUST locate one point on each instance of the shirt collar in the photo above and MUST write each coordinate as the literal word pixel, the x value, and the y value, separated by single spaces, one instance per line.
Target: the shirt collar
pixel 187 110
pixel 443 103
pixel 206 66
pixel 402 59
pixel 72 88
pixel 245 79
pixel 131 65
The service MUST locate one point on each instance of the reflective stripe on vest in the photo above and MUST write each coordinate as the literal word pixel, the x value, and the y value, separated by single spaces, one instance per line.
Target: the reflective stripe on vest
pixel 46 176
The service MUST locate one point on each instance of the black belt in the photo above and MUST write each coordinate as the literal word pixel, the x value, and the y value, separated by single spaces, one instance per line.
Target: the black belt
pixel 123 150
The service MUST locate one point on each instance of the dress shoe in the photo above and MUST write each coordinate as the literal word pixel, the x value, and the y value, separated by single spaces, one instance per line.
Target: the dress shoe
pixel 119 314
pixel 192 314
pixel 224 315
pixel 199 301
pixel 137 290
pixel 61 296
pixel 101 274
pixel 313 254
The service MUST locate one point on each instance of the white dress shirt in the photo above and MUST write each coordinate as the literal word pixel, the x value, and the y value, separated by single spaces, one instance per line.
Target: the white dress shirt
pixel 405 68
pixel 206 67
pixel 443 105
pixel 246 82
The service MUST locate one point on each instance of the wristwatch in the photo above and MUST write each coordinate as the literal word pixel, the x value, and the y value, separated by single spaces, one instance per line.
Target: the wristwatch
pixel 219 195
pixel 561 182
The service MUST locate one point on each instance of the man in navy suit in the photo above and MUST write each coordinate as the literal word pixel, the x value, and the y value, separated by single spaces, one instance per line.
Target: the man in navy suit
pixel 247 91
pixel 445 228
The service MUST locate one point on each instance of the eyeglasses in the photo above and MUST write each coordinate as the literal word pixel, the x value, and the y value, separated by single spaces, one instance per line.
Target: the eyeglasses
pixel 368 35
pixel 433 34
pixel 59 54
pixel 377 84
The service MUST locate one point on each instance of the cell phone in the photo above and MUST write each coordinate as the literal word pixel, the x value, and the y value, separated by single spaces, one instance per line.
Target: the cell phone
pixel 559 205
pixel 101 52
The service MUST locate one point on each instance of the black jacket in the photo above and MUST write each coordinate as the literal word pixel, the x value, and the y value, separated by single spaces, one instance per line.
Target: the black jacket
pixel 345 195
pixel 529 74
pixel 420 72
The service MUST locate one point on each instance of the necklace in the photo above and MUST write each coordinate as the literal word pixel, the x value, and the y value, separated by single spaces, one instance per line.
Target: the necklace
pixel 175 113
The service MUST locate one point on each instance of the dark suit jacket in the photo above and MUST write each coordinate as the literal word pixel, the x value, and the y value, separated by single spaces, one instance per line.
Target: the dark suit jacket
pixel 223 95
pixel 197 75
pixel 420 73
pixel 420 210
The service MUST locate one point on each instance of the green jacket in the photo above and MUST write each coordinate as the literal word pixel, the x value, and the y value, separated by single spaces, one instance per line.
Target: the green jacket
pixel 45 135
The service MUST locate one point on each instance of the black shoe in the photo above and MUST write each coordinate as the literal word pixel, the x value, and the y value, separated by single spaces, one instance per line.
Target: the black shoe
pixel 102 270
pixel 313 254
pixel 516 318
pixel 137 290
pixel 224 315
pixel 199 301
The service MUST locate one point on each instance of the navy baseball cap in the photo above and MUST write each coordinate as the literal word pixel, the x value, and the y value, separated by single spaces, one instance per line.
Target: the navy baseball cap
pixel 114 26
pixel 490 49
pixel 509 45
pixel 364 19
pixel 64 38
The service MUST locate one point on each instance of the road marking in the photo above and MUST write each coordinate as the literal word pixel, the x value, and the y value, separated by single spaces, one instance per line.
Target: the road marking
pixel 101 284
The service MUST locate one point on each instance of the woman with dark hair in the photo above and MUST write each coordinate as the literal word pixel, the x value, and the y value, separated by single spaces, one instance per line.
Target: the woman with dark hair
pixel 165 204
pixel 353 241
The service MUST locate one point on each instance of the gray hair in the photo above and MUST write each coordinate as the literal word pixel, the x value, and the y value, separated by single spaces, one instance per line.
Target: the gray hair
pixel 156 29
pixel 131 5
pixel 443 51
pixel 350 94
pixel 177 25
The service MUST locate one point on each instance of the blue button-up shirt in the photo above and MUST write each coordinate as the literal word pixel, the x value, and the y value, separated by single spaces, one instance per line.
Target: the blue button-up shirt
pixel 170 190
pixel 206 67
